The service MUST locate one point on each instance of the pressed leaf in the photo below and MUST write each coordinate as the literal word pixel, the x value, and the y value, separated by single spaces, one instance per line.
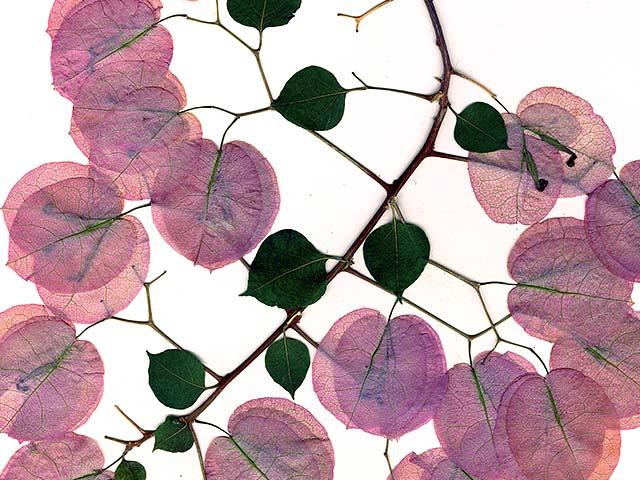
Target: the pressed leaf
pixel 176 378
pixel 288 271
pixel 130 471
pixel 215 206
pixel 287 361
pixel 430 465
pixel 50 382
pixel 173 436
pixel 68 457
pixel 261 14
pixel 312 99
pixel 481 129
pixel 387 379
pixel 613 228
pixel 271 438
pixel 572 122
pixel 19 314
pixel 396 255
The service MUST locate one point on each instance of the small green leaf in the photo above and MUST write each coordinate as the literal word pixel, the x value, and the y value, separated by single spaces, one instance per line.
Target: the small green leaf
pixel 312 99
pixel 480 128
pixel 173 435
pixel 288 271
pixel 176 378
pixel 287 361
pixel 396 255
pixel 130 471
pixel 263 14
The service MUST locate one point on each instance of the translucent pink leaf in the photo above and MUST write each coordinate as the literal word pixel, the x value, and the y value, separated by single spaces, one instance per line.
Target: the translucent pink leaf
pixel 562 286
pixel 50 383
pixel 384 378
pixel 465 421
pixel 561 426
pixel 69 457
pixel 214 223
pixel 572 121
pixel 128 119
pixel 504 187
pixel 95 33
pixel 612 217
pixel 19 314
pixel 613 362
pixel 430 465
pixel 271 438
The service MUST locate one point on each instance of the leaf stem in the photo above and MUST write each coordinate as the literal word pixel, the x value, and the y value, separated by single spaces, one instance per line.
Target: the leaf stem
pixel 388 459
pixel 360 18
pixel 490 92
pixel 449 156
pixel 472 283
pixel 196 442
pixel 424 96
pixel 297 328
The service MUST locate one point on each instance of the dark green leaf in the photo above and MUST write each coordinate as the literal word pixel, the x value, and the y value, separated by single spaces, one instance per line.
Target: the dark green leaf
pixel 312 99
pixel 176 378
pixel 288 271
pixel 263 14
pixel 130 471
pixel 396 254
pixel 287 361
pixel 173 435
pixel 480 128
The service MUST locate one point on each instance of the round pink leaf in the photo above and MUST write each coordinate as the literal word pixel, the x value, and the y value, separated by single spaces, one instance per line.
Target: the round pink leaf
pixel 19 314
pixel 215 207
pixel 386 378
pixel 503 185
pixel 69 457
pixel 571 120
pixel 271 438
pixel 430 465
pixel 50 382
pixel 612 216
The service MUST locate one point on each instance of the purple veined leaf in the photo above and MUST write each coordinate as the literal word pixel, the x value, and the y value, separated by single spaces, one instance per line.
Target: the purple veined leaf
pixel 50 382
pixel 559 426
pixel 387 379
pixel 95 33
pixel 563 289
pixel 128 118
pixel 571 121
pixel 430 465
pixel 271 438
pixel 69 457
pixel 21 313
pixel 214 223
pixel 466 418
pixel 611 215
pixel 95 305
pixel 613 362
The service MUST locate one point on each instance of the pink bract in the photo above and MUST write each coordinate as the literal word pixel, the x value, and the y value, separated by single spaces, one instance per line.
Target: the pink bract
pixel 19 314
pixel 384 378
pixel 214 223
pixel 50 382
pixel 281 439
pixel 430 465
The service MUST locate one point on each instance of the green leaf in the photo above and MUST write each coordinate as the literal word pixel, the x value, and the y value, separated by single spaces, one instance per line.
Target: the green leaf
pixel 288 271
pixel 396 255
pixel 130 471
pixel 480 128
pixel 173 435
pixel 287 361
pixel 176 378
pixel 263 14
pixel 312 99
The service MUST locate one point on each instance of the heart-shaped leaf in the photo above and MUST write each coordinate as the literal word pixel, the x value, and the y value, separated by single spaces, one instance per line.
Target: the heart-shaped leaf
pixel 384 378
pixel 173 435
pixel 312 99
pixel 176 378
pixel 261 14
pixel 287 361
pixel 481 129
pixel 430 465
pixel 271 438
pixel 396 255
pixel 130 471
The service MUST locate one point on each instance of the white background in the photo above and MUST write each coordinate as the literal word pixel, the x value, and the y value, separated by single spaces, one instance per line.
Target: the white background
pixel 587 47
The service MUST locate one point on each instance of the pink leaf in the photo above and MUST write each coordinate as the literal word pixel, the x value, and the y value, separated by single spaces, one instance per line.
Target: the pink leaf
pixel 503 185
pixel 214 223
pixel 562 286
pixel 611 215
pixel 19 314
pixel 465 421
pixel 271 438
pixel 50 383
pixel 384 378
pixel 69 457
pixel 95 33
pixel 430 465
pixel 571 120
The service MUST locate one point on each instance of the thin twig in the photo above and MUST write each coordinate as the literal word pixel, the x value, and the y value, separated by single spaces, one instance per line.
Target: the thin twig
pixel 196 442
pixel 360 18
pixel 305 335
pixel 386 456
pixel 449 156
